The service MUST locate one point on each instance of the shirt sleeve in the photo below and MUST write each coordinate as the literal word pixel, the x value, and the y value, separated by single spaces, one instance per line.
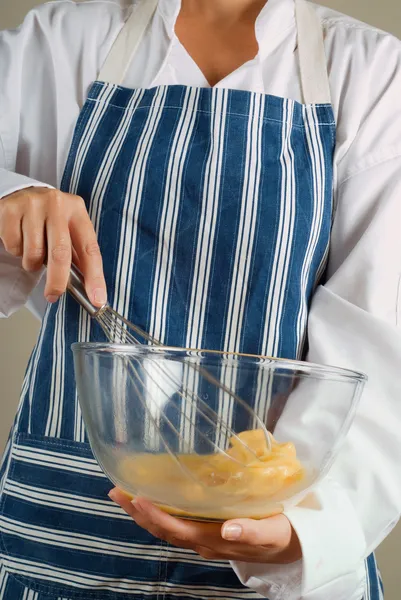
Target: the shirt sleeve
pixel 19 50
pixel 355 323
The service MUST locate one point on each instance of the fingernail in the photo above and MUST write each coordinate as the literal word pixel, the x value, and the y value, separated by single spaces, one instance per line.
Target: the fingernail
pixel 100 296
pixel 232 532
pixel 52 299
pixel 112 495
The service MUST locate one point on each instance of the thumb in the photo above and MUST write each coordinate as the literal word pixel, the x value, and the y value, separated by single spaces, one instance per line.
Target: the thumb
pixel 275 532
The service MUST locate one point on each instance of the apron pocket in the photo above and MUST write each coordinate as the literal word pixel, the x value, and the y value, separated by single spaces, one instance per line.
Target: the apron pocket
pixel 60 533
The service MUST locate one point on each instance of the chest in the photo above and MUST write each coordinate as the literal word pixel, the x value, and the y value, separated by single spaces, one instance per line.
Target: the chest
pixel 214 47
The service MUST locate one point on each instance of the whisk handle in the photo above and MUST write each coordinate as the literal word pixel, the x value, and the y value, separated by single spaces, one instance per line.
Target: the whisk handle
pixel 76 288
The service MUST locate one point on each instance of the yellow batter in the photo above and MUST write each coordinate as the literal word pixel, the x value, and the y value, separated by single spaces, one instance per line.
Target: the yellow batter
pixel 240 482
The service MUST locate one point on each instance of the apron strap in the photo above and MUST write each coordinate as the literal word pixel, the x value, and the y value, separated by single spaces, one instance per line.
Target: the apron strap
pixel 312 55
pixel 127 43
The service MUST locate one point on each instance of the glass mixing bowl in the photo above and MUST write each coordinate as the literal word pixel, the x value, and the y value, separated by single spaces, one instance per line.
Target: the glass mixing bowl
pixel 209 435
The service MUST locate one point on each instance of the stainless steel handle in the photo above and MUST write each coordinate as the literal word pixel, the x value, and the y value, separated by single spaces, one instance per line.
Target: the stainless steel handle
pixel 76 288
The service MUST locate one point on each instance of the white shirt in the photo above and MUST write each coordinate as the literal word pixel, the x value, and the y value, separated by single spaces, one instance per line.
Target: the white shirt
pixel 46 68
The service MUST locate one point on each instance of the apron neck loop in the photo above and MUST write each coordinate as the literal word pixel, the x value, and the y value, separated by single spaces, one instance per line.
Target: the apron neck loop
pixel 127 43
pixel 312 55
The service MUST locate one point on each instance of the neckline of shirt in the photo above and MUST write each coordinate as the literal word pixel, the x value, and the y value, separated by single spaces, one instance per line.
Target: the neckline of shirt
pixel 275 19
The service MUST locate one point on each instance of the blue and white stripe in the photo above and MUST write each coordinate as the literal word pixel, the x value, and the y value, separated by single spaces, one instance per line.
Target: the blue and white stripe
pixel 167 234
pixel 283 252
pixel 204 258
pixel 241 268
pixel 169 217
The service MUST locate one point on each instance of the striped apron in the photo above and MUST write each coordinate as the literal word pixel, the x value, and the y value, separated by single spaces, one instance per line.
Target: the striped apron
pixel 213 210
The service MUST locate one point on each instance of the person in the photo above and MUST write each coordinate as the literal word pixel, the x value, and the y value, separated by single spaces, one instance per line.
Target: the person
pixel 230 172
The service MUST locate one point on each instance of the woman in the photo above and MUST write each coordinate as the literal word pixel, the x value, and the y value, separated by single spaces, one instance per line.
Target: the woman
pixel 210 144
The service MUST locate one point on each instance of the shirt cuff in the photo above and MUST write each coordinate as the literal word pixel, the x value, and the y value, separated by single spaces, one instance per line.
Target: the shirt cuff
pixel 333 548
pixel 14 182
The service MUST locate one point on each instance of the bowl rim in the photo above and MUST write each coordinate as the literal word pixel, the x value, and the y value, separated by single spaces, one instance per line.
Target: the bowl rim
pixel 302 366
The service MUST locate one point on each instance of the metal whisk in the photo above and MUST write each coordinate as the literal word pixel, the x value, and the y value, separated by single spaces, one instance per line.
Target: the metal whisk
pixel 119 330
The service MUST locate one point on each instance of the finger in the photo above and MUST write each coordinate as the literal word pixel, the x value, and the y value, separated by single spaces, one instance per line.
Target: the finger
pixel 125 502
pixel 59 254
pixel 272 533
pixel 212 554
pixel 11 234
pixel 34 241
pixel 226 553
pixel 191 532
pixel 246 555
pixel 233 551
pixel 275 535
pixel 180 533
pixel 141 516
pixel 85 242
pixel 75 259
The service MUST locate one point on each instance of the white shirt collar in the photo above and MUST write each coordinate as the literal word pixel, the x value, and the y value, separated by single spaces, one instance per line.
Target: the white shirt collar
pixel 276 18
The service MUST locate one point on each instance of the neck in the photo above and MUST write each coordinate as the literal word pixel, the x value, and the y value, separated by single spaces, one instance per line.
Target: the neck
pixel 227 10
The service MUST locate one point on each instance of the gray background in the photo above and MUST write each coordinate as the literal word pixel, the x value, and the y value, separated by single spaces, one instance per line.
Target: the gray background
pixel 18 334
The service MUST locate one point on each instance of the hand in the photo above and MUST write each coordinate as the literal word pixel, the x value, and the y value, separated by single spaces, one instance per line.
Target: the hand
pixel 270 540
pixel 39 223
